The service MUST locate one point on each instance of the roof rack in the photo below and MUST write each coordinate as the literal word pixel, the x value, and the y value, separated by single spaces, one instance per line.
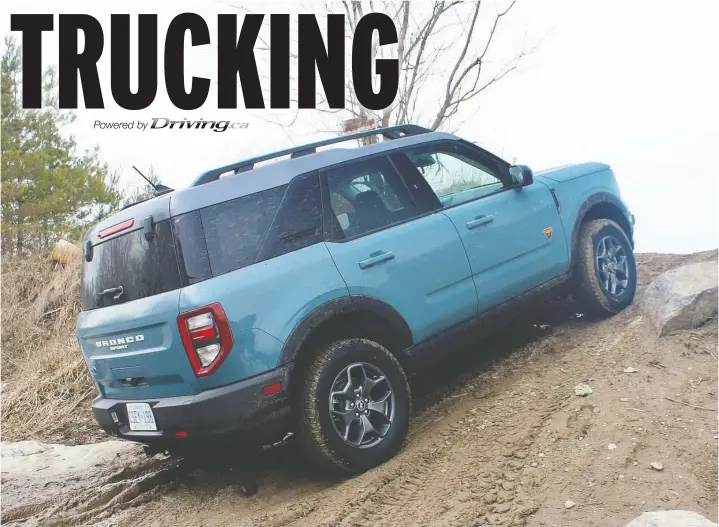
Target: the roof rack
pixel 392 132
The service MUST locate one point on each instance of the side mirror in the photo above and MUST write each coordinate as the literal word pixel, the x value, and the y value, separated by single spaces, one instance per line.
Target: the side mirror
pixel 521 175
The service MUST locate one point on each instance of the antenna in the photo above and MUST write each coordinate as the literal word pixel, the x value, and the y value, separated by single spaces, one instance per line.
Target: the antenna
pixel 160 189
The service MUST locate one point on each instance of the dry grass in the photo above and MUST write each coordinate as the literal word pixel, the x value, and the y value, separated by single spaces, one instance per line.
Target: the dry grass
pixel 46 387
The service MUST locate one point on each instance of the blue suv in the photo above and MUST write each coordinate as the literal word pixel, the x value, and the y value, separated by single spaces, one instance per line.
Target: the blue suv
pixel 299 292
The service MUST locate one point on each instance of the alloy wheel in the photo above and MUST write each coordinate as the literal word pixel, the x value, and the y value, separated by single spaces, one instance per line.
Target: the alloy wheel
pixel 362 405
pixel 611 264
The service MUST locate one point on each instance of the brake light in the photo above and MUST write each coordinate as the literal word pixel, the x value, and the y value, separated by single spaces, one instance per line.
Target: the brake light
pixel 206 336
pixel 119 227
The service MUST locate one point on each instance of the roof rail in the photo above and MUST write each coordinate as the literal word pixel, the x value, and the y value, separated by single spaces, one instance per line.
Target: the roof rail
pixel 392 132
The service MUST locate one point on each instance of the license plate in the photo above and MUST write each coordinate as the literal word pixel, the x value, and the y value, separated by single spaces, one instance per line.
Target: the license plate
pixel 140 416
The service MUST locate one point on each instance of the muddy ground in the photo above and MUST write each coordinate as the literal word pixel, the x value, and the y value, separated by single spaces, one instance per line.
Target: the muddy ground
pixel 498 438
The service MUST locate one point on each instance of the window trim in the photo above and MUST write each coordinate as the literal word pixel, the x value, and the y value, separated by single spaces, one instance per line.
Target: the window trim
pixel 474 152
pixel 328 213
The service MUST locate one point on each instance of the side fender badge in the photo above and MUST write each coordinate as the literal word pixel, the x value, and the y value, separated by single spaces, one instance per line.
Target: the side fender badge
pixel 548 233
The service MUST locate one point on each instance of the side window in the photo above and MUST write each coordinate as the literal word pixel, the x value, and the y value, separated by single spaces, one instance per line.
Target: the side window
pixel 453 176
pixel 191 247
pixel 367 196
pixel 298 223
pixel 235 230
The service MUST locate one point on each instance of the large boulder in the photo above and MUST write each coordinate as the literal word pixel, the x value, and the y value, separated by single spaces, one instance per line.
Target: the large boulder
pixel 682 298
pixel 671 519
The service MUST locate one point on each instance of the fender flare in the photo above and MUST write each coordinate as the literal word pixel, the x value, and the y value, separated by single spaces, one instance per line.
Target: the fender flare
pixel 345 305
pixel 591 201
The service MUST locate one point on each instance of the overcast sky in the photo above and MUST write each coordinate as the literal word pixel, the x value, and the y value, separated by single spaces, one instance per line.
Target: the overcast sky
pixel 632 83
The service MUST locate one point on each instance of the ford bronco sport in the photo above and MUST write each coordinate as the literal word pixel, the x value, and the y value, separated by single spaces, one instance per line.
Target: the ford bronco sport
pixel 300 291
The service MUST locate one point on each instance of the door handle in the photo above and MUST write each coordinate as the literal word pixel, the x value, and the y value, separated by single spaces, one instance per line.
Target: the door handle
pixel 374 259
pixel 479 221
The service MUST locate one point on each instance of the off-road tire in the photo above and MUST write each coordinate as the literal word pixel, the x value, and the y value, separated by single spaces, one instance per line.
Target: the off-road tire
pixel 316 433
pixel 589 291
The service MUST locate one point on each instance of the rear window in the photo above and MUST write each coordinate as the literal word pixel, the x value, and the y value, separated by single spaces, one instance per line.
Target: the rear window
pixel 141 268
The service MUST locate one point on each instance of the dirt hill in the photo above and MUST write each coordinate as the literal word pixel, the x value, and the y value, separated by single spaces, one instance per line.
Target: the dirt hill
pixel 46 388
pixel 498 437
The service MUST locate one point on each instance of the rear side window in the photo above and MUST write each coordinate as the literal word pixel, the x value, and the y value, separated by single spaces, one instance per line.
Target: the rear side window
pixel 298 223
pixel 236 229
pixel 141 268
pixel 191 247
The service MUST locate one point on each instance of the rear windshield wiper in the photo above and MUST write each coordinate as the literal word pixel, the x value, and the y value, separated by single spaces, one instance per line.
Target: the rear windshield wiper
pixel 116 293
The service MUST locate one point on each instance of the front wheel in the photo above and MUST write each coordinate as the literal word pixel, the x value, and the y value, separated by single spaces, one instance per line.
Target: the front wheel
pixel 606 269
pixel 355 406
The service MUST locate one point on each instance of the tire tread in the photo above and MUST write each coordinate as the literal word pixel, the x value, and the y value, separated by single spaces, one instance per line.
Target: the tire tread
pixel 589 291
pixel 311 438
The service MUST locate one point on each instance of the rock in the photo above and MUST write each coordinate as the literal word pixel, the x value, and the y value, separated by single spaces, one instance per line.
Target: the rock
pixel 502 508
pixel 490 498
pixel 629 369
pixel 682 298
pixel 569 504
pixel 656 465
pixel 674 518
pixel 624 399
pixel 612 446
pixel 249 488
pixel 508 485
pixel 582 390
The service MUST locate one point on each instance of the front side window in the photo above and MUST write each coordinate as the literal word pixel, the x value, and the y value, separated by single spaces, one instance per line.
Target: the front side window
pixel 367 196
pixel 453 175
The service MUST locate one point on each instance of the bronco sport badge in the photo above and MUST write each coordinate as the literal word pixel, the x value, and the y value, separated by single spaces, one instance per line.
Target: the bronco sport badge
pixel 120 343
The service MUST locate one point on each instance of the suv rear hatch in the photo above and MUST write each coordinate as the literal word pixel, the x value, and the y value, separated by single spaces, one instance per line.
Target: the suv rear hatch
pixel 130 293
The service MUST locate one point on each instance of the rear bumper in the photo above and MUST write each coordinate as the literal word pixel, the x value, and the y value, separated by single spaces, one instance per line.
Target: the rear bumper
pixel 212 413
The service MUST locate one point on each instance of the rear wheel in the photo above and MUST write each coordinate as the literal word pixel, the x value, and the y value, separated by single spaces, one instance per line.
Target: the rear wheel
pixel 606 269
pixel 354 406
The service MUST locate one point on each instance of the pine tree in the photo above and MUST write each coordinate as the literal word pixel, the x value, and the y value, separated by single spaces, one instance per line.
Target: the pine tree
pixel 49 191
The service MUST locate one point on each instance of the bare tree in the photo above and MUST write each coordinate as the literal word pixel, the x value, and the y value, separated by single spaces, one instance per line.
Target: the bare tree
pixel 444 54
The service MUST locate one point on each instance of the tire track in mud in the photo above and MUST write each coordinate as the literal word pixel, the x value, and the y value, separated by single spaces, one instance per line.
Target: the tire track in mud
pixel 462 477
pixel 469 462
pixel 466 463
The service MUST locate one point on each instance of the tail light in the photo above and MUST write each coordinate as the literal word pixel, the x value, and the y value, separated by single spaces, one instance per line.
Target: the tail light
pixel 207 337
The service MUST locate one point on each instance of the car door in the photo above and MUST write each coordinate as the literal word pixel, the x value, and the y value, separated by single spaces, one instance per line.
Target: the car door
pixel 513 236
pixel 391 247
